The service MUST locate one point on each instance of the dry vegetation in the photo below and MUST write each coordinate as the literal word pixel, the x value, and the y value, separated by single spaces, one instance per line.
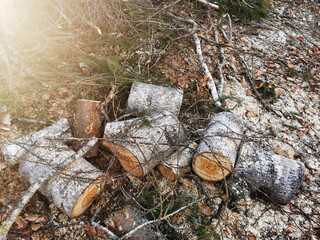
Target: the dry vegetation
pixel 53 53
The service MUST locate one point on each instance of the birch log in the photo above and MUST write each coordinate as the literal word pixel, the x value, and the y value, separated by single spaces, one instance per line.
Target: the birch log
pixel 217 152
pixel 146 97
pixel 274 177
pixel 128 218
pixel 178 163
pixel 87 124
pixel 71 182
pixel 141 143
pixel 13 150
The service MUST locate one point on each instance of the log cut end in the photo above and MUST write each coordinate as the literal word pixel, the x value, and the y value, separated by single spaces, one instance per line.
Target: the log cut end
pixel 87 197
pixel 212 167
pixel 167 172
pixel 126 158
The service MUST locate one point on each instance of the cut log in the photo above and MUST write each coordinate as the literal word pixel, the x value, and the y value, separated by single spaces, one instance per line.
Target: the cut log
pixel 13 150
pixel 217 152
pixel 148 97
pixel 71 182
pixel 142 143
pixel 274 177
pixel 178 163
pixel 87 124
pixel 128 218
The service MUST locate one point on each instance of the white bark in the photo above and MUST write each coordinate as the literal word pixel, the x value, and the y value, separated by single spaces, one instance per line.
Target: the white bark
pixel 178 163
pixel 70 182
pixel 217 152
pixel 274 177
pixel 148 97
pixel 206 70
pixel 160 131
pixel 13 150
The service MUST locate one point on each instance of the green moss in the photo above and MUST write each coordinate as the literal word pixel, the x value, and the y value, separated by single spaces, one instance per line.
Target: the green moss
pixel 255 9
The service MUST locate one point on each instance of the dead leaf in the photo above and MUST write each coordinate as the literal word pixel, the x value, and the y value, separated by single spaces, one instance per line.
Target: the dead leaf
pixel 91 231
pixel 279 91
pixel 41 219
pixel 252 236
pixel 32 217
pixel 278 150
pixel 249 92
pixel 186 182
pixel 21 223
pixel 290 65
pixel 243 82
pixel 35 226
pixel 233 93
pixel 205 209
pixel 300 38
pixel 291 153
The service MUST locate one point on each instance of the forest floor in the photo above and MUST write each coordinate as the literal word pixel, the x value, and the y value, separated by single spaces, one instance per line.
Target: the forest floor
pixel 282 53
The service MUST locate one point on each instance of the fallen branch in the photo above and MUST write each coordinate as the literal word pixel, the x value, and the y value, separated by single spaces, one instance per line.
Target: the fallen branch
pixel 220 66
pixel 207 72
pixel 209 4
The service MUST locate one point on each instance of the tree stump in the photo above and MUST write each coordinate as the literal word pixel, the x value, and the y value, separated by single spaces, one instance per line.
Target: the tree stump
pixel 128 218
pixel 87 124
pixel 273 177
pixel 141 143
pixel 70 182
pixel 148 97
pixel 179 162
pixel 14 150
pixel 217 152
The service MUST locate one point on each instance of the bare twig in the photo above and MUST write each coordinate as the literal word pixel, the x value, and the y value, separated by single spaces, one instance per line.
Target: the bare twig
pixel 106 230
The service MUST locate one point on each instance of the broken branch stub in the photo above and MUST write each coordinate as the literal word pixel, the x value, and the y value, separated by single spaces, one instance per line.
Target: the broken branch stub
pixel 14 150
pixel 179 162
pixel 87 124
pixel 148 97
pixel 142 143
pixel 217 152
pixel 70 182
pixel 274 177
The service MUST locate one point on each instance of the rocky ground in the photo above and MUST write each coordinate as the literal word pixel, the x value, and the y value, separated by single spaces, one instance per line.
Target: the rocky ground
pixel 282 53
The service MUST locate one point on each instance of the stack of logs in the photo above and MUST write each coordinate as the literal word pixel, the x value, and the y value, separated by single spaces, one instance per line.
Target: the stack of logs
pixel 156 138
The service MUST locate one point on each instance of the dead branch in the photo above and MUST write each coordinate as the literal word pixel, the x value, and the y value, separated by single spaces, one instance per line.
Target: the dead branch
pixel 207 72
pixel 209 4
pixel 220 66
